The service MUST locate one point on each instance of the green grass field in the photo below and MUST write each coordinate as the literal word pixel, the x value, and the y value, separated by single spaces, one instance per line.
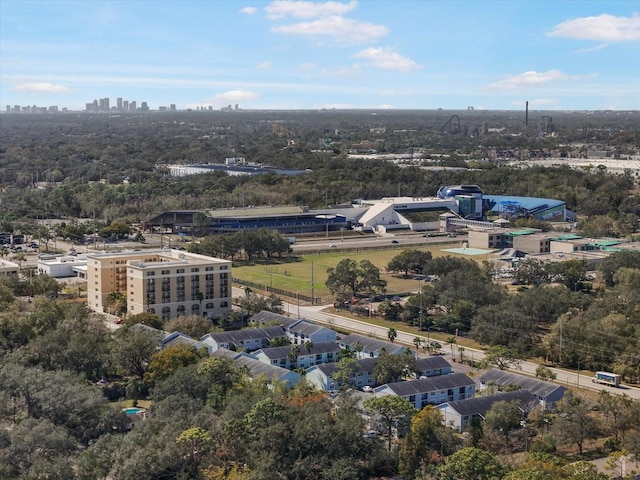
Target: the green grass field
pixel 295 274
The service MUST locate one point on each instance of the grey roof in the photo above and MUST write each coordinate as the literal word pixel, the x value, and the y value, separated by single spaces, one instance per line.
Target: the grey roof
pixel 265 317
pixel 439 382
pixel 226 353
pixel 183 340
pixel 481 405
pixel 501 378
pixel 370 344
pixel 308 328
pixel 257 368
pixel 238 336
pixel 362 365
pixel 146 328
pixel 431 363
pixel 274 353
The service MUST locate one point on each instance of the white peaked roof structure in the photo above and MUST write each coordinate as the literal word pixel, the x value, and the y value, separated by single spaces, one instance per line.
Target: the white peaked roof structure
pixel 382 214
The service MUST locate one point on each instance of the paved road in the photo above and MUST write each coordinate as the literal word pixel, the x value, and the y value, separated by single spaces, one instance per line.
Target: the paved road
pixel 390 241
pixel 566 378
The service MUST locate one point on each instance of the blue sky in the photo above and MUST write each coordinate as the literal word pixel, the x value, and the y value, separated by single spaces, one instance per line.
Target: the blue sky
pixel 414 54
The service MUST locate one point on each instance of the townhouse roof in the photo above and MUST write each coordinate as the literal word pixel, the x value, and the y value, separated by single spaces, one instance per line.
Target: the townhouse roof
pixel 238 336
pixel 431 363
pixel 370 344
pixel 539 388
pixel 266 317
pixel 274 353
pixel 178 338
pixel 481 405
pixel 257 368
pixel 362 365
pixel 308 328
pixel 439 382
pixel 226 353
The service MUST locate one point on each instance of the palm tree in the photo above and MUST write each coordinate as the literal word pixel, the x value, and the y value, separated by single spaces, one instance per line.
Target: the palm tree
pixel 308 346
pixel 293 356
pixel 357 347
pixel 417 341
pixel 451 341
pixel 461 352
pixel 392 334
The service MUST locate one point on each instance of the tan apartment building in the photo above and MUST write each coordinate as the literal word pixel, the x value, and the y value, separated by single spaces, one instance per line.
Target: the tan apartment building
pixel 168 283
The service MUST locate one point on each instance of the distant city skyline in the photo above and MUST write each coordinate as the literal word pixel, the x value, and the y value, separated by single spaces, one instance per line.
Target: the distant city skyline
pixel 495 55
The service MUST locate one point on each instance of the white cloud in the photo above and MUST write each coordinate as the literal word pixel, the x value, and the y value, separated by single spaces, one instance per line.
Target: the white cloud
pixel 342 29
pixel 263 66
pixel 308 66
pixel 248 10
pixel 387 59
pixel 286 8
pixel 225 98
pixel 530 79
pixel 236 95
pixel 538 102
pixel 41 87
pixel 600 46
pixel 603 28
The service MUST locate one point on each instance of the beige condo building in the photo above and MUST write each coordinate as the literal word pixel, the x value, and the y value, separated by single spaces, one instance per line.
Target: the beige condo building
pixel 168 283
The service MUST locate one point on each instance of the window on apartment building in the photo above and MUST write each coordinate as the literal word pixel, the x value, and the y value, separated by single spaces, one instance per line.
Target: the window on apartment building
pixel 180 270
pixel 209 305
pixel 150 274
pixel 195 269
pixel 165 272
pixel 208 269
pixel 224 267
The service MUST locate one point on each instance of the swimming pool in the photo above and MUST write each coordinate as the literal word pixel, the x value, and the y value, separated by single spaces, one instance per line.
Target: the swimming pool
pixel 132 410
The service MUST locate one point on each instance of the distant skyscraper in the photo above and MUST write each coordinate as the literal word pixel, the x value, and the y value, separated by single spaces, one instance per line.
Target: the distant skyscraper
pixel 125 105
pixel 132 106
pixel 144 107
pixel 172 107
pixel 119 103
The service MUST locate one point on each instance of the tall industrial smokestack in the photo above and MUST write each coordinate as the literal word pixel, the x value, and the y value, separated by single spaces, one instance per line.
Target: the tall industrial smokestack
pixel 526 118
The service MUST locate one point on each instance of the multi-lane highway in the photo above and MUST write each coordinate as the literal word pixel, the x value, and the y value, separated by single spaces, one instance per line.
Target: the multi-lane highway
pixel 390 241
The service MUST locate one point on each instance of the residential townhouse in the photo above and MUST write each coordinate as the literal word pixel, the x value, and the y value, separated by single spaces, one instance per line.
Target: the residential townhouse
pixel 547 393
pixel 321 352
pixel 321 376
pixel 177 338
pixel 460 413
pixel 304 331
pixel 298 331
pixel 432 366
pixel 367 347
pixel 248 339
pixel 257 369
pixel 430 391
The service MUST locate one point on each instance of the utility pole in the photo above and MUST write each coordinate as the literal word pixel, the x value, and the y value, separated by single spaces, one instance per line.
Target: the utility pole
pixel 420 293
pixel 312 287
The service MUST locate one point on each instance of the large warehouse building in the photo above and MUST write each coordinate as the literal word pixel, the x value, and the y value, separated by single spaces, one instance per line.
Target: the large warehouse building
pixel 466 203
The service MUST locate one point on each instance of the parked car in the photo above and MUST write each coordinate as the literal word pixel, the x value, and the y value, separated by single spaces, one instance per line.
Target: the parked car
pixel 367 388
pixel 394 241
pixel 333 245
